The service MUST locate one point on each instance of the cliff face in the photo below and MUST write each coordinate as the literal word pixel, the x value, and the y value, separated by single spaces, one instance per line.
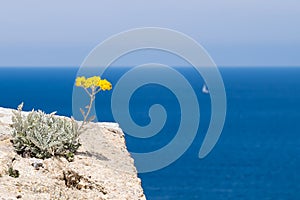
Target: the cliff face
pixel 102 169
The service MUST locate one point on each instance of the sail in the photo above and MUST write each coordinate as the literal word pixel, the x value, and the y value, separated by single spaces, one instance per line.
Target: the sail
pixel 204 89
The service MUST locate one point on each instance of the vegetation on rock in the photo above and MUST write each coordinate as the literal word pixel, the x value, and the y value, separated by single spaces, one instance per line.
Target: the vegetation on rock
pixel 13 172
pixel 43 135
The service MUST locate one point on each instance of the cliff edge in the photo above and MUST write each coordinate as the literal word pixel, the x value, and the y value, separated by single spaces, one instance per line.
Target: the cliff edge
pixel 102 168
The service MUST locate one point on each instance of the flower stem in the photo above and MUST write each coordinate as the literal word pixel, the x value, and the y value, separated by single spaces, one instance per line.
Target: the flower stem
pixel 92 98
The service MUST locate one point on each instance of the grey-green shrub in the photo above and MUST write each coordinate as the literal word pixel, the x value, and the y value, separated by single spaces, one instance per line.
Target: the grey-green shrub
pixel 44 135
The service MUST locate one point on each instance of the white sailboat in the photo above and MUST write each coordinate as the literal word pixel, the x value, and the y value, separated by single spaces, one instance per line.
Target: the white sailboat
pixel 205 89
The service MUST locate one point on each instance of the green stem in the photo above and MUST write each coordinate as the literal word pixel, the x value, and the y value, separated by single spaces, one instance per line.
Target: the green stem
pixel 86 90
pixel 99 89
pixel 92 98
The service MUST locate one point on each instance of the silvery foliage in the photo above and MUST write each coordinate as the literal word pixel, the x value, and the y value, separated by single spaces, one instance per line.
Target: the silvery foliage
pixel 44 135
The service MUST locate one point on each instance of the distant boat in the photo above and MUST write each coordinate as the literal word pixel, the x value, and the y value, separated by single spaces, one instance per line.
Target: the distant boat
pixel 204 89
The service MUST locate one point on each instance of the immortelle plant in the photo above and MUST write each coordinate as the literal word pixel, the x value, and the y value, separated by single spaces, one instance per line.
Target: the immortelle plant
pixel 92 86
pixel 42 135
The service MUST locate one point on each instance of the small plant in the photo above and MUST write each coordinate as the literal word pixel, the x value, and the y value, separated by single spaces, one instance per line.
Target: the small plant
pixel 92 86
pixel 44 135
pixel 13 172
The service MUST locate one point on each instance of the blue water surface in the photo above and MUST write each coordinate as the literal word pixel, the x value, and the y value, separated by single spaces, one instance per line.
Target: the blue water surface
pixel 256 157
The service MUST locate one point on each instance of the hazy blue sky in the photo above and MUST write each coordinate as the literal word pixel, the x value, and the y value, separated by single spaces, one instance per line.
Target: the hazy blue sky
pixel 234 32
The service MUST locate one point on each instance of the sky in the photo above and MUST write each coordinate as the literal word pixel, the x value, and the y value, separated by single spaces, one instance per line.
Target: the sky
pixel 234 32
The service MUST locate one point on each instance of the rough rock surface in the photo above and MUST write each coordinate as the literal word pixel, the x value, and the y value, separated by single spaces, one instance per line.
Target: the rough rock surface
pixel 102 169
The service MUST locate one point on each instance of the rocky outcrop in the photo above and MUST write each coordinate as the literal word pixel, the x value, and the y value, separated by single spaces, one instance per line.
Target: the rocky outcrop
pixel 102 168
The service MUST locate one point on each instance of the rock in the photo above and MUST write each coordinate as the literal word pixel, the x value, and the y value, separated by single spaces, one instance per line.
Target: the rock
pixel 36 163
pixel 102 168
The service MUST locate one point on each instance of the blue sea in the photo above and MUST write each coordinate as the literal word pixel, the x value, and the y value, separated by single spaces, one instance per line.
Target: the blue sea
pixel 256 157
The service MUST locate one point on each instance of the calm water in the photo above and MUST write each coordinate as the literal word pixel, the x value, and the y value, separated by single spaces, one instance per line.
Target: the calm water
pixel 257 156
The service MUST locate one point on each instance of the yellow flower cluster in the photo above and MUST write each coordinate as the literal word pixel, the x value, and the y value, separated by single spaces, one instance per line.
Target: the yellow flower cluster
pixel 105 84
pixel 94 81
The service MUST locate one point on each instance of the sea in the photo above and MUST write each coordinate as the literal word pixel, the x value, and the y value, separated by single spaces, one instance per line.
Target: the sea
pixel 256 157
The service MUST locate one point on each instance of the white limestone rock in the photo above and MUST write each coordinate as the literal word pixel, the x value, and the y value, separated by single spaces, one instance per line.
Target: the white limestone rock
pixel 102 168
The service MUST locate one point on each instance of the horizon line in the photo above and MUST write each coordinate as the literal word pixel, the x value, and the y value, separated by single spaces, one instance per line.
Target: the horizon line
pixel 72 66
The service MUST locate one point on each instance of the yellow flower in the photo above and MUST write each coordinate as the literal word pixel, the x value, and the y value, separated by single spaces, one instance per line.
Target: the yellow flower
pixel 80 81
pixel 92 82
pixel 88 83
pixel 96 80
pixel 105 85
